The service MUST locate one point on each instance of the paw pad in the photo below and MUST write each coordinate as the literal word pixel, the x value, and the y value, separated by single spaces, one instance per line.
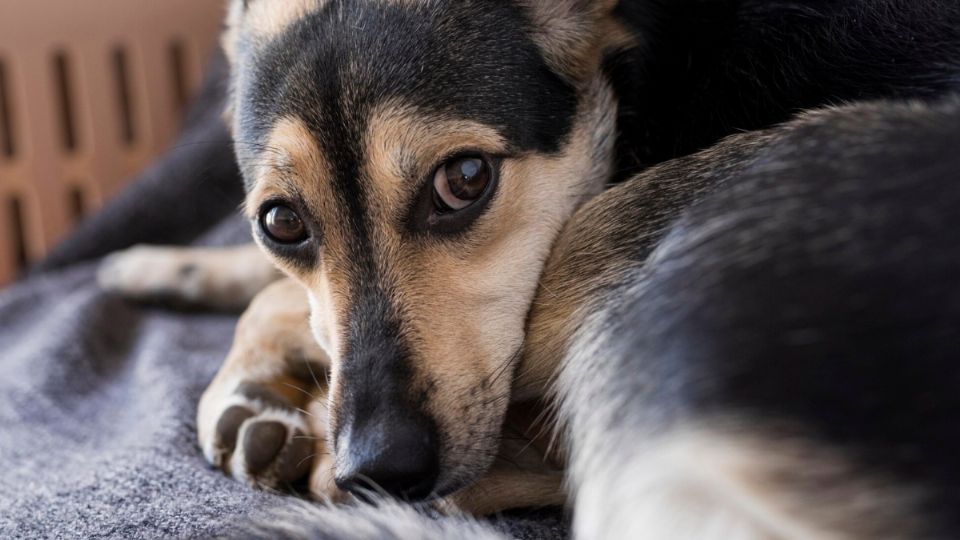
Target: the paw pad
pixel 229 425
pixel 262 439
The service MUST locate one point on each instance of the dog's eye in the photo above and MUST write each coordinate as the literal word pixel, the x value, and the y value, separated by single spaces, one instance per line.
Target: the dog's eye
pixel 460 182
pixel 283 225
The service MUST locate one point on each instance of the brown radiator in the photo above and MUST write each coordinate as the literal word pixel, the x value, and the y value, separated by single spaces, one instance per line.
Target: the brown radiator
pixel 90 92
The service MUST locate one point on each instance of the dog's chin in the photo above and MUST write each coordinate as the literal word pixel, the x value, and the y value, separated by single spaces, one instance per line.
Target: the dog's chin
pixel 454 480
pixel 461 470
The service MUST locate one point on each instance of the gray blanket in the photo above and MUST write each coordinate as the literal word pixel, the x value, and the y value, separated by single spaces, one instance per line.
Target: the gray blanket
pixel 98 396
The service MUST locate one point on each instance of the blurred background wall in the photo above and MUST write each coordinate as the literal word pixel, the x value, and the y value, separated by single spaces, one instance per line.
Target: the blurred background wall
pixel 90 92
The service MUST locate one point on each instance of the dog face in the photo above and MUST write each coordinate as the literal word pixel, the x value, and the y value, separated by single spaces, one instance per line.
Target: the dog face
pixel 410 162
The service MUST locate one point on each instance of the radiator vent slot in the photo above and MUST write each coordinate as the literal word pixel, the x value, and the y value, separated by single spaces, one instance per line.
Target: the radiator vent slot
pixel 7 145
pixel 121 73
pixel 178 74
pixel 17 232
pixel 77 203
pixel 64 88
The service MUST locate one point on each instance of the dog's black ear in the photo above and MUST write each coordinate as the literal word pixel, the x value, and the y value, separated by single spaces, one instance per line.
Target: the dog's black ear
pixel 572 34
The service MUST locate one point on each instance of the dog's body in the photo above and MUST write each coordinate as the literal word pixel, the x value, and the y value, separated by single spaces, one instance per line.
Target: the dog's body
pixel 749 337
pixel 790 340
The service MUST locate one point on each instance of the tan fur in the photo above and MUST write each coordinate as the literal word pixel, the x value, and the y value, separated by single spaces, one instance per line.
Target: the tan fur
pixel 221 278
pixel 587 257
pixel 492 274
pixel 573 34
pixel 322 483
pixel 261 21
pixel 526 473
pixel 405 145
pixel 273 330
pixel 292 166
pixel 264 20
pixel 492 282
pixel 228 39
pixel 273 351
pixel 498 490
pixel 582 263
pixel 736 480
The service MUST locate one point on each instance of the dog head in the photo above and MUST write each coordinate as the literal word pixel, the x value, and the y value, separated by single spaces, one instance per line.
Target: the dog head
pixel 410 162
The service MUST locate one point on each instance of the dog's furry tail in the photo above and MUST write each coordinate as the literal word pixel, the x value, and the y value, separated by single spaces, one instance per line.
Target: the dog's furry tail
pixel 383 520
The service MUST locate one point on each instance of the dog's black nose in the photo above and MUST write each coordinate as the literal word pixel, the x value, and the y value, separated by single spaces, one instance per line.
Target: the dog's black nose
pixel 396 456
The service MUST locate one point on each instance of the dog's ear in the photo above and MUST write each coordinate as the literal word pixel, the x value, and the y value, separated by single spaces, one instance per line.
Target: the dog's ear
pixel 262 20
pixel 228 42
pixel 573 34
pixel 256 21
pixel 231 28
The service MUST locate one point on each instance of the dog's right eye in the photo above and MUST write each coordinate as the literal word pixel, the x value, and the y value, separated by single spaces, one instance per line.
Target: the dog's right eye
pixel 460 182
pixel 283 225
pixel 457 194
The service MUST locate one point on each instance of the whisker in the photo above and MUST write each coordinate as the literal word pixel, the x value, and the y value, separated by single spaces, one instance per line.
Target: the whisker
pixel 375 487
pixel 308 437
pixel 311 415
pixel 295 387
pixel 314 375
pixel 508 363
pixel 302 461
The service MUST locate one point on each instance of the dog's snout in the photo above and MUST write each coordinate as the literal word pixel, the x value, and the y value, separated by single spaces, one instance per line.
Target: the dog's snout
pixel 395 455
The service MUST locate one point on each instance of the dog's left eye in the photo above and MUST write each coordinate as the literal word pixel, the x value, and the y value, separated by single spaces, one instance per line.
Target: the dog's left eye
pixel 460 182
pixel 283 225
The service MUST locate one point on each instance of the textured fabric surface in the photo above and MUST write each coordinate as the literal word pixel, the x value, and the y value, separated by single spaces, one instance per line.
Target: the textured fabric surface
pixel 98 396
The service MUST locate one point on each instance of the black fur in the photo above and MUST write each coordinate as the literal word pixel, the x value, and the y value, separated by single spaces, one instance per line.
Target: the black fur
pixel 709 68
pixel 470 59
pixel 815 291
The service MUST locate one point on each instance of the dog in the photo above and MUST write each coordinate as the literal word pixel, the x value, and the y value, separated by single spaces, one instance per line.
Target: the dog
pixel 612 207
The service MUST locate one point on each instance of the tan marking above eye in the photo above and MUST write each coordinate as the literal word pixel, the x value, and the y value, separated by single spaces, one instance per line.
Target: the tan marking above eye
pixel 289 155
pixel 404 142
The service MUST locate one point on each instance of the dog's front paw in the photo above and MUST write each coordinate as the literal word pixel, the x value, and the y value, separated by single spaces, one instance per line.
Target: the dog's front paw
pixel 145 272
pixel 256 435
pixel 222 278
